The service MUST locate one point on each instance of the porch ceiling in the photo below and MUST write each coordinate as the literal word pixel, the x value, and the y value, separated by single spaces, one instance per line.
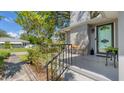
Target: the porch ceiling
pixel 111 14
pixel 96 21
pixel 105 16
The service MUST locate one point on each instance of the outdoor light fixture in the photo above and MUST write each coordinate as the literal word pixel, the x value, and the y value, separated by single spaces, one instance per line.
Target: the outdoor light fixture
pixel 92 30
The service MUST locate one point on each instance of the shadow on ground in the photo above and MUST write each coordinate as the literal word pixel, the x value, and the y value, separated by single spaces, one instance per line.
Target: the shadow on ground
pixel 12 68
pixel 68 76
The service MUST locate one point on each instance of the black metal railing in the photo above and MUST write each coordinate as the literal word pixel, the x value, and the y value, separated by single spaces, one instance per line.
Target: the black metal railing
pixel 59 63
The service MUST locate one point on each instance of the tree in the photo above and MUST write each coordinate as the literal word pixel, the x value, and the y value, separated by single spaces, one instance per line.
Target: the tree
pixel 3 33
pixel 40 29
pixel 1 17
pixel 42 25
pixel 23 36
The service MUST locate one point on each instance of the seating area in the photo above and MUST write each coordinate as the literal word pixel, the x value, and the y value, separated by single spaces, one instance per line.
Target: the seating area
pixel 76 49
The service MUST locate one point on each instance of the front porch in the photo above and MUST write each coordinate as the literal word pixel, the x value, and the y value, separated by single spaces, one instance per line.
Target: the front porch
pixel 95 66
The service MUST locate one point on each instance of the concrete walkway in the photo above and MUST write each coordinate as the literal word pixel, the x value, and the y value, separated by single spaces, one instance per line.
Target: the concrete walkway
pixel 17 71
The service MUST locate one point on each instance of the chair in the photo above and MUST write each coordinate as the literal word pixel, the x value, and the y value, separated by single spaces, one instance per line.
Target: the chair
pixel 79 49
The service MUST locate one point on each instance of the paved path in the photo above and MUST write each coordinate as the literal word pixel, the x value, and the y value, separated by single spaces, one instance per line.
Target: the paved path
pixel 17 71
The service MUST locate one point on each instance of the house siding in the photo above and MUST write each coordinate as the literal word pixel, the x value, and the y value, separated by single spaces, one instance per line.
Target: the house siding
pixel 79 35
pixel 79 16
pixel 121 44
pixel 92 36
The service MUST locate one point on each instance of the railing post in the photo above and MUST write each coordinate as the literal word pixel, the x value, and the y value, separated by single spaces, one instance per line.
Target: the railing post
pixel 51 71
pixel 56 69
pixel 106 58
pixel 68 54
pixel 66 51
pixel 59 64
pixel 71 55
pixel 47 73
pixel 63 57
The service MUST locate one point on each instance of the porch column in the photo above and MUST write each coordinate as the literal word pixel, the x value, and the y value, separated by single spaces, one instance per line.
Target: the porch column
pixel 121 45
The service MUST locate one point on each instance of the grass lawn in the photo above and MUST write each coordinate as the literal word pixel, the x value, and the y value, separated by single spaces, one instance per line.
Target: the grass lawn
pixel 14 50
pixel 19 50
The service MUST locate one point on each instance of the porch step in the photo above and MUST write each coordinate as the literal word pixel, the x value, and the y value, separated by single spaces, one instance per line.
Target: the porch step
pixel 89 74
pixel 101 55
pixel 70 75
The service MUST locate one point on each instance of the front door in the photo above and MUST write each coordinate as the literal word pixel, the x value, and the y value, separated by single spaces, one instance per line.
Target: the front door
pixel 104 37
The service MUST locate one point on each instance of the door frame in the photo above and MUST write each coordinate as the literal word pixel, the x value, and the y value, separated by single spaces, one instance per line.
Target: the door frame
pixel 112 36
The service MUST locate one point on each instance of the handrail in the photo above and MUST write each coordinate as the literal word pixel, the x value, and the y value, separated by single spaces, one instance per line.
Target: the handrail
pixel 59 63
pixel 53 58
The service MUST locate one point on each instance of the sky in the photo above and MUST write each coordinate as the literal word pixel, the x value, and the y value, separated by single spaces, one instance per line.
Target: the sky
pixel 8 24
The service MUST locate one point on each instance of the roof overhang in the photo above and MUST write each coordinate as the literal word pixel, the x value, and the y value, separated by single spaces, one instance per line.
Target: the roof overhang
pixel 110 14
pixel 105 17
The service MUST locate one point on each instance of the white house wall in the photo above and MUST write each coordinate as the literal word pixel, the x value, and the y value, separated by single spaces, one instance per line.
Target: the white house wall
pixel 79 36
pixel 116 33
pixel 121 45
pixel 92 36
pixel 68 37
pixel 78 17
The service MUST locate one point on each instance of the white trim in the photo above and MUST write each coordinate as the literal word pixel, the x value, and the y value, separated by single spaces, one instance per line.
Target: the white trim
pixel 114 28
pixel 96 36
pixel 16 42
pixel 12 42
pixel 95 41
pixel 2 42
pixel 115 33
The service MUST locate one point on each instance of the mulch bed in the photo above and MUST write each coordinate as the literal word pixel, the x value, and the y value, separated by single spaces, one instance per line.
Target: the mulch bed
pixel 41 75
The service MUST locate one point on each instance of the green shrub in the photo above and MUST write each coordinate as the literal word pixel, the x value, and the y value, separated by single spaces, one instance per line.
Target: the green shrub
pixel 1 60
pixel 4 54
pixel 36 57
pixel 23 58
pixel 1 63
pixel 7 45
pixel 50 49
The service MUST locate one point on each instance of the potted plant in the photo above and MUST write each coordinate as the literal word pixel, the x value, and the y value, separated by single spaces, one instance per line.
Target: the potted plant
pixel 111 49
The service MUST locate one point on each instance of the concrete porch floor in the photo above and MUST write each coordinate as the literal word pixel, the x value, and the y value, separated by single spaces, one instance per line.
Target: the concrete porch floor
pixel 96 64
